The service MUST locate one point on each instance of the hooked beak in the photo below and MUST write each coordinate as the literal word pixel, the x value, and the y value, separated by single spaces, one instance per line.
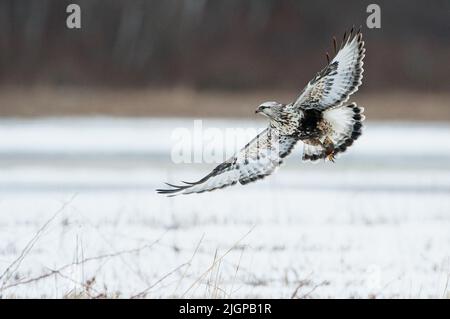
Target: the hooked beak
pixel 259 110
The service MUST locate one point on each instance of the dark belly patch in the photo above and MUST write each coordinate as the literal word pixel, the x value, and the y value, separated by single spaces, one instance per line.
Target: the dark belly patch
pixel 309 124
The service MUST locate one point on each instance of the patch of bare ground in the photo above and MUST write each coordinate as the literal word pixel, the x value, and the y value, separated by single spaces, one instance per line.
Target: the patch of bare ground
pixel 52 101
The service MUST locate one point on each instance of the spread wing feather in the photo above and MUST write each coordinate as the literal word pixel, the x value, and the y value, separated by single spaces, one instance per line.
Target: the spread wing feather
pixel 258 159
pixel 338 80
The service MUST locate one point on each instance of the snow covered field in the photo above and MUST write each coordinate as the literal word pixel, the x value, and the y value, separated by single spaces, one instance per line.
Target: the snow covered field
pixel 79 216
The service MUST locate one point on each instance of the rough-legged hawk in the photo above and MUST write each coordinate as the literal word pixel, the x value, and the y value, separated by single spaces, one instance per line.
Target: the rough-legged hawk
pixel 319 117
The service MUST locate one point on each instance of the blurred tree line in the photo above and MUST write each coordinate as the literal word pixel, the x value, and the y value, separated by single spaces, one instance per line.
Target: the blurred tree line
pixel 230 44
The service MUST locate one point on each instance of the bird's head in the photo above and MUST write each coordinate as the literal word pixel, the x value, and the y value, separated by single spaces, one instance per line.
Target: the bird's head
pixel 270 109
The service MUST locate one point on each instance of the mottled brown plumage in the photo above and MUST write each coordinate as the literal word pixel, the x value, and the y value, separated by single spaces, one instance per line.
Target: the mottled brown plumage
pixel 318 117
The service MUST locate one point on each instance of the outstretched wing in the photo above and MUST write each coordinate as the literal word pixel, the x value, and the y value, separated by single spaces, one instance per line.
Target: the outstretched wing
pixel 338 80
pixel 258 159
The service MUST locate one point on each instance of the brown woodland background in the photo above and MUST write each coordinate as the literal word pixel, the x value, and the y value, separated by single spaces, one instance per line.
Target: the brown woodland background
pixel 174 51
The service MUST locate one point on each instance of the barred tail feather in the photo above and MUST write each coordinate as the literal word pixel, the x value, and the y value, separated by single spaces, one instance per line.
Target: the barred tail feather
pixel 346 127
pixel 313 152
pixel 346 122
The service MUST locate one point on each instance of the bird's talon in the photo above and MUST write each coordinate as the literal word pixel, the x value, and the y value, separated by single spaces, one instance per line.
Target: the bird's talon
pixel 331 157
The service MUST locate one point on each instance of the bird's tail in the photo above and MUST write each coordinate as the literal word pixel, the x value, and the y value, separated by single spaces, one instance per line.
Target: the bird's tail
pixel 346 125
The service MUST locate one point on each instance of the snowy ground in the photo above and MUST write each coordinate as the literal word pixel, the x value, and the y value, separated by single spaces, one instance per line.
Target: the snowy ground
pixel 77 202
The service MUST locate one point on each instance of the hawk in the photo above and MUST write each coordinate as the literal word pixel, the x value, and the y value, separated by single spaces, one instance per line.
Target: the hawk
pixel 319 117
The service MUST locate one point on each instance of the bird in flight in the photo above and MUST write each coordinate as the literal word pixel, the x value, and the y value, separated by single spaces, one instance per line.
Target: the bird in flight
pixel 319 117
